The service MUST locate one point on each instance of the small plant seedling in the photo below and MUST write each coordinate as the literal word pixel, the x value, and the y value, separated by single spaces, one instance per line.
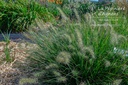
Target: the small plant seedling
pixel 6 49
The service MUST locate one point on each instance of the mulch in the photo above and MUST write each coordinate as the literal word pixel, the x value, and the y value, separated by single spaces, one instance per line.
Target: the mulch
pixel 11 73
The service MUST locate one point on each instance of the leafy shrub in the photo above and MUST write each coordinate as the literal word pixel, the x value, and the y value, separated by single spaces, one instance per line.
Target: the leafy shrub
pixel 79 54
pixel 17 15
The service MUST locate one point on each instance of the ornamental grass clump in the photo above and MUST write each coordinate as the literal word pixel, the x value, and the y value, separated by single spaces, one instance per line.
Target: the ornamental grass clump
pixel 78 54
pixel 18 15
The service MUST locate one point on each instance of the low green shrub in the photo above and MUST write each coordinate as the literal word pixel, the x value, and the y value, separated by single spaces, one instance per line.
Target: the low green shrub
pixel 16 16
pixel 79 54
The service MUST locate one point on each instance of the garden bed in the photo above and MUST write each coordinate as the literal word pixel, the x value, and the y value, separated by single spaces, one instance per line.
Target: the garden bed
pixel 81 47
pixel 11 73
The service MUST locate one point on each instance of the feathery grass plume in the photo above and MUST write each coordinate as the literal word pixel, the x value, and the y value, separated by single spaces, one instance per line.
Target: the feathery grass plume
pixel 107 63
pixel 117 82
pixel 93 24
pixel 68 37
pixel 104 30
pixel 124 67
pixel 64 17
pixel 53 28
pixel 114 38
pixel 72 37
pixel 108 27
pixel 88 18
pixel 39 23
pixel 51 66
pixel 61 79
pixel 38 74
pixel 79 38
pixel 77 15
pixel 111 27
pixel 75 73
pixel 82 83
pixel 43 26
pixel 88 52
pixel 71 48
pixel 63 57
pixel 56 73
pixel 24 81
pixel 121 38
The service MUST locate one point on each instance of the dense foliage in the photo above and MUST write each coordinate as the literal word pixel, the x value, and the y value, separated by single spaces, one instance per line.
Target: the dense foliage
pixel 16 16
pixel 80 45
pixel 80 54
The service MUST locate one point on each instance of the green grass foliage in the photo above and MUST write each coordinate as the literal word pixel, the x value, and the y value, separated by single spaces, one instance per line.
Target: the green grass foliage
pixel 80 54
pixel 17 15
